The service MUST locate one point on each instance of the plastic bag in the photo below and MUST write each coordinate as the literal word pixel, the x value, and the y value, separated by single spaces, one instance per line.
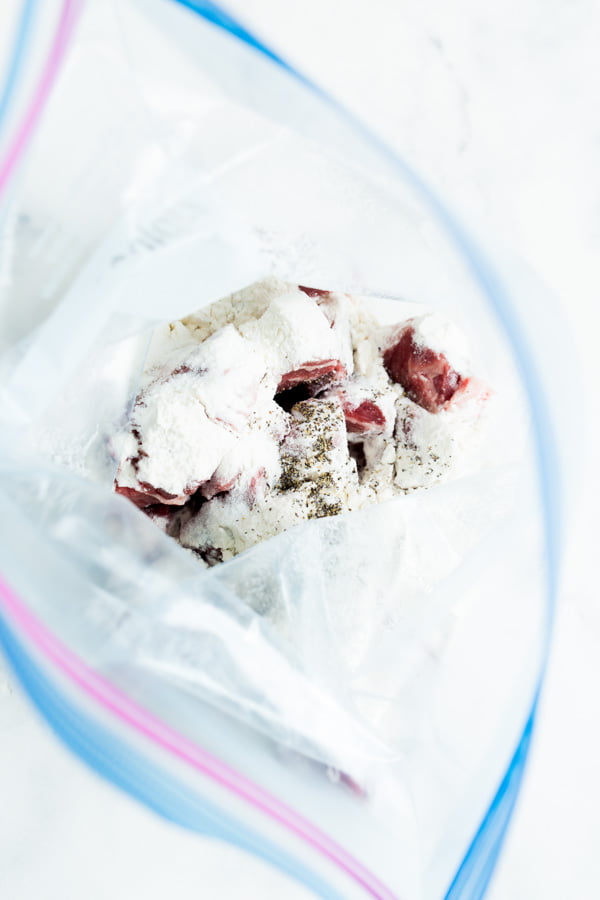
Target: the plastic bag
pixel 351 700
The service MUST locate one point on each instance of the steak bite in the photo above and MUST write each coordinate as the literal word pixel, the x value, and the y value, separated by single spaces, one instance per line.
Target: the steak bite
pixel 186 420
pixel 176 447
pixel 318 373
pixel 364 418
pixel 316 448
pixel 298 342
pixel 317 479
pixel 424 372
pixel 368 409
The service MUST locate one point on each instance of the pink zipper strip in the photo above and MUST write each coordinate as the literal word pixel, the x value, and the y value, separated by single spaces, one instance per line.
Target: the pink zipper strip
pixel 138 719
pixel 25 131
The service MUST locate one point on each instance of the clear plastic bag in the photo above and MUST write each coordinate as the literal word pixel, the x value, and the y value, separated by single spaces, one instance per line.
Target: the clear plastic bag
pixel 352 699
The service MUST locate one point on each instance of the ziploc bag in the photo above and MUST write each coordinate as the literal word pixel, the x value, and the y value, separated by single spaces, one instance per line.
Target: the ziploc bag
pixel 352 700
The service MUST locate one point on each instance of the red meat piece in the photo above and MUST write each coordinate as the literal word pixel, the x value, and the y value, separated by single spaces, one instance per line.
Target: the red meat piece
pixel 364 418
pixel 151 495
pixel 325 371
pixel 216 485
pixel 313 292
pixel 426 376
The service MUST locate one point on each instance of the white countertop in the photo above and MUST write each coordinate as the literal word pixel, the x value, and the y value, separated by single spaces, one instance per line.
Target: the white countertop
pixel 497 105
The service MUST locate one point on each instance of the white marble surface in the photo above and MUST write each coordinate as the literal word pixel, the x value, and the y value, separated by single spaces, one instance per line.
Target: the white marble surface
pixel 497 105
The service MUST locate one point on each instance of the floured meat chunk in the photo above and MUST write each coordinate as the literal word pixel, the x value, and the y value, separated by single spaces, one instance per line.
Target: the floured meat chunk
pixel 441 401
pixel 299 342
pixel 316 447
pixel 176 447
pixel 317 478
pixel 430 447
pixel 368 409
pixel 188 419
pixel 283 403
pixel 415 356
